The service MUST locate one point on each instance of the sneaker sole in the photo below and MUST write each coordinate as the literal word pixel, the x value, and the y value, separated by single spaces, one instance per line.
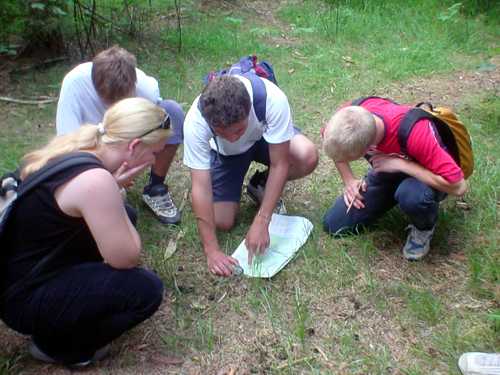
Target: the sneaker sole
pixel 413 258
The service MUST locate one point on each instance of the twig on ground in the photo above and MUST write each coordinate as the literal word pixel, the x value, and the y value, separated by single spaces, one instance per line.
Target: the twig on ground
pixel 24 101
pixel 176 287
pixel 295 362
pixel 320 351
pixel 222 297
pixel 185 197
pixel 167 360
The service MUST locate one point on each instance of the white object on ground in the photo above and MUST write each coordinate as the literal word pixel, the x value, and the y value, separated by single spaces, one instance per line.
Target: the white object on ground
pixel 287 235
pixel 475 363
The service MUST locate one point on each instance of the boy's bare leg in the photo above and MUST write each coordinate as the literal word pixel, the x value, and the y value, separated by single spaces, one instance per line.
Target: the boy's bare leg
pixel 225 214
pixel 303 157
pixel 164 159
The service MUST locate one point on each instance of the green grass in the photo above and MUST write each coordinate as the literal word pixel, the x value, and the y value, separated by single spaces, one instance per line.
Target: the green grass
pixel 349 305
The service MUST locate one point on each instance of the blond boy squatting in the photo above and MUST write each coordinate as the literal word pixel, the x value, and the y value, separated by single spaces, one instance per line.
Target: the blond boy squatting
pixel 417 183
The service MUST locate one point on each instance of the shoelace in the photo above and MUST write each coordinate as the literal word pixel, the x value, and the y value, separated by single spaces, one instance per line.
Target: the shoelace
pixel 163 203
pixel 419 236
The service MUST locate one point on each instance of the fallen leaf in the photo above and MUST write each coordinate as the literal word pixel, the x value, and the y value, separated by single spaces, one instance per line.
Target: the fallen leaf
pixel 172 245
pixel 348 59
pixel 463 205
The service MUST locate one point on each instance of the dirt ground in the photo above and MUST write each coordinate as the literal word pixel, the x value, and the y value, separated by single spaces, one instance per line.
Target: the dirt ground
pixel 449 89
pixel 138 353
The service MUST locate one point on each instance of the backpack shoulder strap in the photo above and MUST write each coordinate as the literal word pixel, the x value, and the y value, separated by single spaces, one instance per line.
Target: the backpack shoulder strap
pixel 407 123
pixel 259 95
pixel 54 167
pixel 443 129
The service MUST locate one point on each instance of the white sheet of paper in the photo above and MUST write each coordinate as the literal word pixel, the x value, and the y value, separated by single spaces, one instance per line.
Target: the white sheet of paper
pixel 287 234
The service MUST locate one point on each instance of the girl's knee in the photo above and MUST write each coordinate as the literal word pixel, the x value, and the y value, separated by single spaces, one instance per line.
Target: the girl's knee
pixel 145 289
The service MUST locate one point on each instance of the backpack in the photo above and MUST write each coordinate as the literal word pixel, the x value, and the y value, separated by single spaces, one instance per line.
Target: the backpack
pixel 12 190
pixel 249 68
pixel 452 131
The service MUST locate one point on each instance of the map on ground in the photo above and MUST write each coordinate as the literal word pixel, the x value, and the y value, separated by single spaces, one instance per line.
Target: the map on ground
pixel 287 234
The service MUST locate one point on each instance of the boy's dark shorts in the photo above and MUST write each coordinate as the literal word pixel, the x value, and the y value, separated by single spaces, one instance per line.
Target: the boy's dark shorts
pixel 228 172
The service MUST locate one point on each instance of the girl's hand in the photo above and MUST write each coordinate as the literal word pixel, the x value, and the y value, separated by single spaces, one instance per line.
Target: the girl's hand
pixel 125 175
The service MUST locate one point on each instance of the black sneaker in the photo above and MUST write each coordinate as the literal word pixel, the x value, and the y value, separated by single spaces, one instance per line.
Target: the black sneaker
pixel 255 190
pixel 158 199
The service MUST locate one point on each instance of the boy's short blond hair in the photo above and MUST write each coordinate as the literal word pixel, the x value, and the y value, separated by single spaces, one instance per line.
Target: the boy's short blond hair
pixel 349 133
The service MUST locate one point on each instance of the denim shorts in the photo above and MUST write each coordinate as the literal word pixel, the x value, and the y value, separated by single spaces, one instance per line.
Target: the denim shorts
pixel 228 172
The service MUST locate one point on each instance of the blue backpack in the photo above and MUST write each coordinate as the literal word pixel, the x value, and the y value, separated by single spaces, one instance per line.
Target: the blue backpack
pixel 249 68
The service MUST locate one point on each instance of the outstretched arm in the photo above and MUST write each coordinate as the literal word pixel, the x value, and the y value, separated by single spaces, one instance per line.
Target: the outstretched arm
pixel 257 238
pixel 218 262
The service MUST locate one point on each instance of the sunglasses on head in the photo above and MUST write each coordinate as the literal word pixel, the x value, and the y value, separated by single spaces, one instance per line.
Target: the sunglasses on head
pixel 165 125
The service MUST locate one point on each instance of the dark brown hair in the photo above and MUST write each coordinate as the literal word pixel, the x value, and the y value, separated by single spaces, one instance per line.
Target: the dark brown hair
pixel 225 101
pixel 113 74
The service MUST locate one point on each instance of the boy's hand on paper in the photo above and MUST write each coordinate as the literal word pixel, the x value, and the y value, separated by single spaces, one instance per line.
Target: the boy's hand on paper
pixel 220 264
pixel 352 191
pixel 257 239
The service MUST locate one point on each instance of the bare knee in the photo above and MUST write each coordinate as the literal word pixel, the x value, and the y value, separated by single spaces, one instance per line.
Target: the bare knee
pixel 310 160
pixel 225 224
pixel 304 159
pixel 225 215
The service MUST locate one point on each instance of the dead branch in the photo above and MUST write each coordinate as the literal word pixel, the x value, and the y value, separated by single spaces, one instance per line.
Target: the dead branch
pixel 39 64
pixel 23 101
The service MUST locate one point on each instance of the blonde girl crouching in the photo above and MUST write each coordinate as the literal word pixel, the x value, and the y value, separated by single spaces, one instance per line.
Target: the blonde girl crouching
pixel 89 290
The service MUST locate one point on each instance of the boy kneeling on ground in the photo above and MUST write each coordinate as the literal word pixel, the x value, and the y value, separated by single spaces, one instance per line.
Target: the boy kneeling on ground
pixel 222 137
pixel 417 183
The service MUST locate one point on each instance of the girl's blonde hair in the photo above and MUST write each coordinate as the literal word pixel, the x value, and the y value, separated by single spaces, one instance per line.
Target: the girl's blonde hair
pixel 124 121
pixel 349 133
